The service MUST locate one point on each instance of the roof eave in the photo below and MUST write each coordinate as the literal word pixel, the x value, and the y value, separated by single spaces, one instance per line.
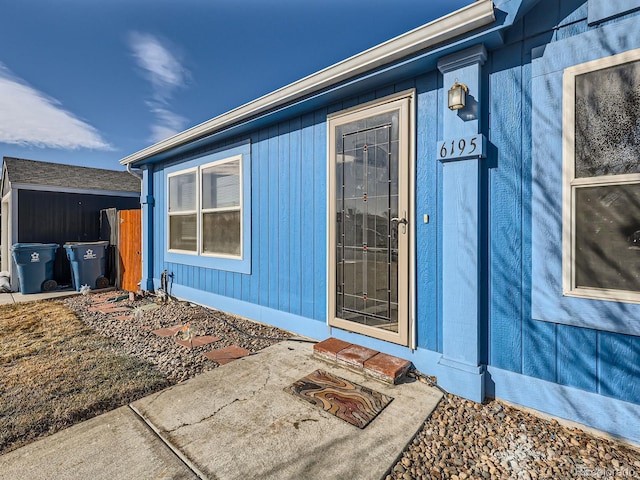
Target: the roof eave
pixel 464 20
pixel 77 190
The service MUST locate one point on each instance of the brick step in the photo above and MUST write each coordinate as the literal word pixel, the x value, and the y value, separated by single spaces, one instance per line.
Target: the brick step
pixel 380 366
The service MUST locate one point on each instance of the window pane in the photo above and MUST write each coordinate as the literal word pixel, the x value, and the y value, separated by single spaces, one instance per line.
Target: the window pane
pixel 221 233
pixel 221 185
pixel 607 250
pixel 383 119
pixel 182 232
pixel 366 266
pixel 182 192
pixel 607 136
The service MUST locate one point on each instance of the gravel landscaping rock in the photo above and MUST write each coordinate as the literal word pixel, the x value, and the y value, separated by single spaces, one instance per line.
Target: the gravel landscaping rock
pixel 461 440
pixel 467 440
pixel 135 336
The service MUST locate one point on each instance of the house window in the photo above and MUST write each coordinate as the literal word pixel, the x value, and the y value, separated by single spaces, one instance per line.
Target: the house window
pixel 205 209
pixel 601 205
pixel 221 210
pixel 183 213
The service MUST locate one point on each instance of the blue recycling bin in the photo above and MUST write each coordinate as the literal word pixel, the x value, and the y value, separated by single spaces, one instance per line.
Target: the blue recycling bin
pixel 88 263
pixel 35 266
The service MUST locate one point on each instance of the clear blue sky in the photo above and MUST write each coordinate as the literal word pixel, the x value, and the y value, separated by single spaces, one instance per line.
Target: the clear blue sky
pixel 91 81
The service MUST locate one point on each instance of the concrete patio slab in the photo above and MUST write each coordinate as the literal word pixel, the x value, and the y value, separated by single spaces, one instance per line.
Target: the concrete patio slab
pixel 17 297
pixel 233 422
pixel 237 422
pixel 116 445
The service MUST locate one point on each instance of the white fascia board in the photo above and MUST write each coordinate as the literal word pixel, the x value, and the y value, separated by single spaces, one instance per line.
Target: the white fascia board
pixel 84 191
pixel 464 20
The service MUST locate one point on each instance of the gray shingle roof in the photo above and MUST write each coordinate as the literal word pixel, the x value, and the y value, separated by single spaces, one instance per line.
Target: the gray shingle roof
pixel 32 172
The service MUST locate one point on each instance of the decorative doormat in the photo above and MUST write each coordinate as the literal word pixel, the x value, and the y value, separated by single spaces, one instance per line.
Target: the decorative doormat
pixel 349 401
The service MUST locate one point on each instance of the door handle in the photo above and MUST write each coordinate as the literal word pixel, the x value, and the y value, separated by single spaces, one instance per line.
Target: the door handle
pixel 403 221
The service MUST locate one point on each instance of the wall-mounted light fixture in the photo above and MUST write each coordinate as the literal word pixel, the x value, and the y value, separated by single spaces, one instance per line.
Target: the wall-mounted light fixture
pixel 458 95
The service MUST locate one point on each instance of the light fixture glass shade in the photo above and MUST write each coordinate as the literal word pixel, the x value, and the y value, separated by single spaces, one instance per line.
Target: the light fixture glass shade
pixel 457 96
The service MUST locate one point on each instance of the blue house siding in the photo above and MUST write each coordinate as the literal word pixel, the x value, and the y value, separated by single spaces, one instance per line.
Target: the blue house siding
pixel 288 182
pixel 571 357
pixel 506 88
pixel 583 358
pixel 284 232
pixel 428 179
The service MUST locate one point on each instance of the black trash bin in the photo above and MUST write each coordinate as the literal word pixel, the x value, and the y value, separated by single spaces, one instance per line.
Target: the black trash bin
pixel 35 266
pixel 88 262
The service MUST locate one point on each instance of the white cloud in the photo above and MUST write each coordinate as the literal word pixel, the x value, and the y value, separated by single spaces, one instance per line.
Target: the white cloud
pixel 162 68
pixel 167 124
pixel 29 117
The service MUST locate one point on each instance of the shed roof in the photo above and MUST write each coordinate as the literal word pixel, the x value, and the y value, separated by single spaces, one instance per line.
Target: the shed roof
pixel 31 172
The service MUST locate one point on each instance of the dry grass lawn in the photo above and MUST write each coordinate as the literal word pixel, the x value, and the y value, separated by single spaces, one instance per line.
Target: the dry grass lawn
pixel 55 372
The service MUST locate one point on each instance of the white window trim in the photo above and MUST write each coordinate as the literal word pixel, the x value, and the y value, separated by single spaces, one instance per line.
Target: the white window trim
pixel 200 211
pixel 570 183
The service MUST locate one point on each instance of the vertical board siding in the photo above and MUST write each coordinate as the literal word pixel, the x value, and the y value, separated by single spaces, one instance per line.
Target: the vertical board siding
pixel 525 213
pixel 295 211
pixel 289 182
pixel 619 366
pixel 202 277
pixel 576 357
pixel 159 221
pixel 426 245
pixel 213 276
pixel 599 362
pixel 283 225
pixel 256 222
pixel 505 198
pixel 439 217
pixel 273 186
pixel 262 261
pixel 230 286
pixel 320 214
pixel 183 275
pixel 539 349
pixel 288 223
pixel 307 220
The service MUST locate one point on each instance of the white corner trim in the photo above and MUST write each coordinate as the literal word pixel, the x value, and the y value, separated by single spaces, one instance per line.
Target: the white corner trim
pixel 464 20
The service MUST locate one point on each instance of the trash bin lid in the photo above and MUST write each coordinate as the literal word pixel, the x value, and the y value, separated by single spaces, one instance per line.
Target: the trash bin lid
pixel 33 246
pixel 83 244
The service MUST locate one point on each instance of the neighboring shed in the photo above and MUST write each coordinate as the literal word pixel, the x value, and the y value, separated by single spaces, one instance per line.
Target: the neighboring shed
pixel 47 202
pixel 495 245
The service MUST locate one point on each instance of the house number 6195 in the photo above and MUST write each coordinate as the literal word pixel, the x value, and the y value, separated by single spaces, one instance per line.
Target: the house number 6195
pixel 461 147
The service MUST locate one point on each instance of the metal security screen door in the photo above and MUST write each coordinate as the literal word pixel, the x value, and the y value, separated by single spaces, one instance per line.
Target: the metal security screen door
pixel 369 229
